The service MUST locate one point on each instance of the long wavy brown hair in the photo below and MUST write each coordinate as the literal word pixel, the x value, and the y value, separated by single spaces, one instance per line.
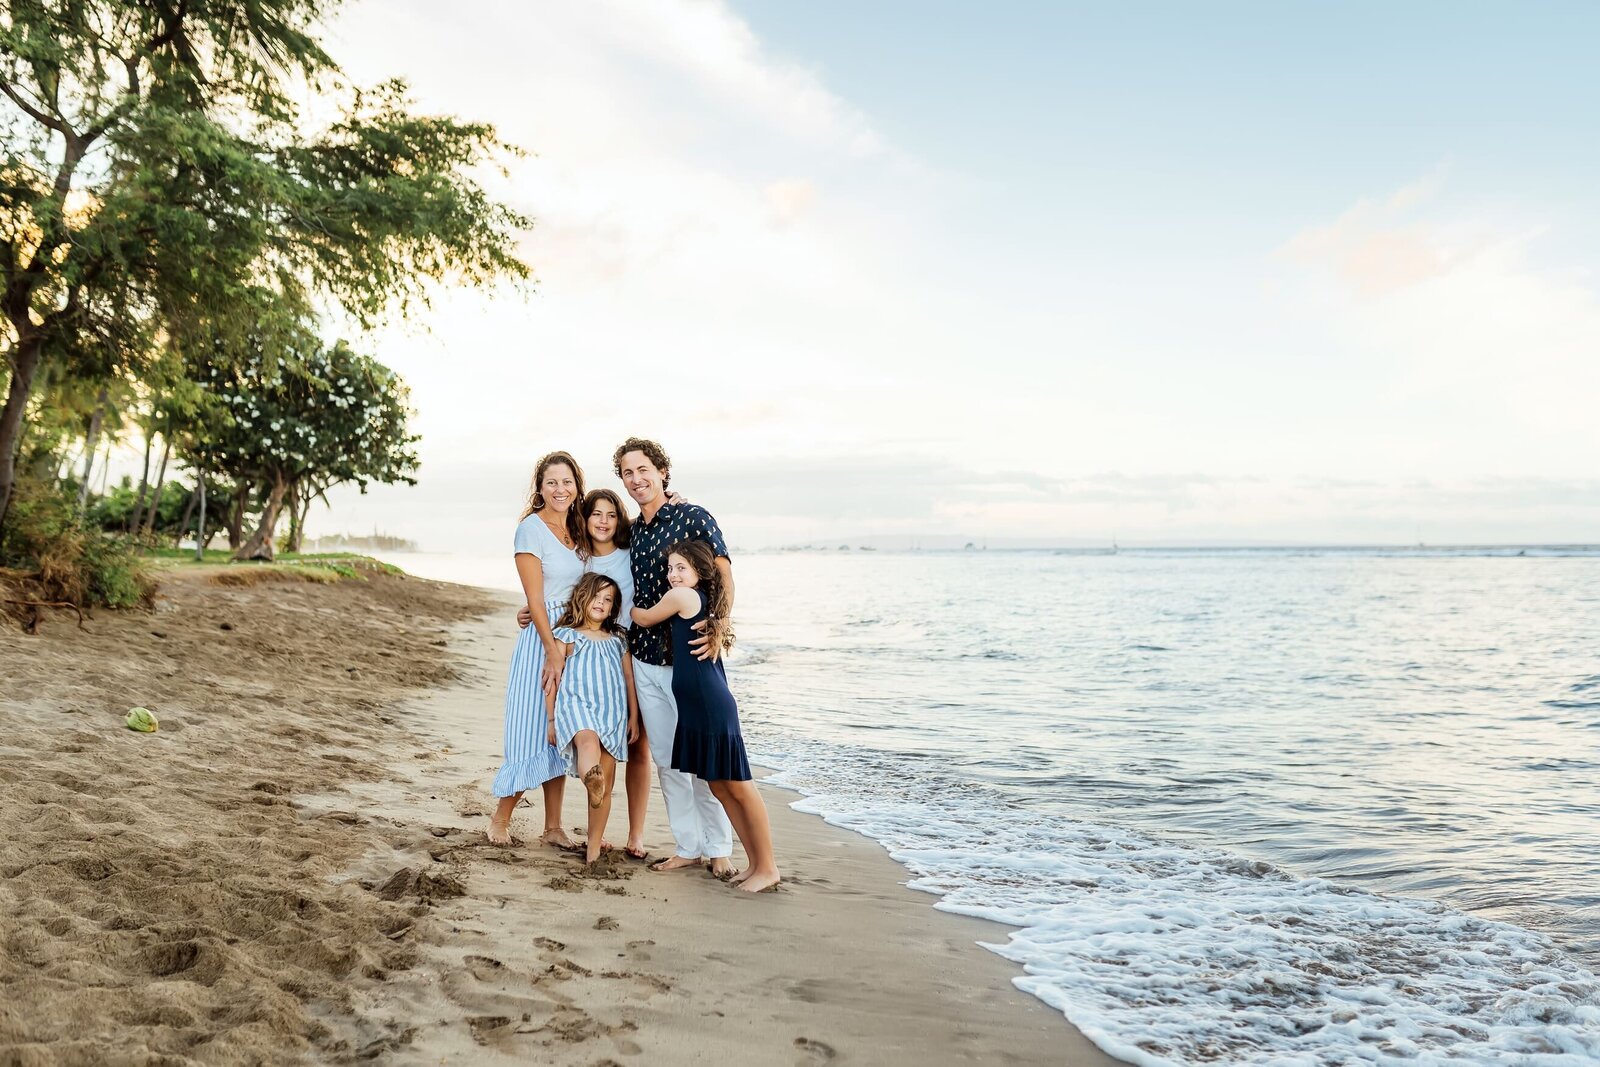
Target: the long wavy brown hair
pixel 577 529
pixel 624 535
pixel 576 613
pixel 719 618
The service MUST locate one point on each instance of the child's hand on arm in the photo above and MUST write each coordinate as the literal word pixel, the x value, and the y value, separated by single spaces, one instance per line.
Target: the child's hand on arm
pixel 674 602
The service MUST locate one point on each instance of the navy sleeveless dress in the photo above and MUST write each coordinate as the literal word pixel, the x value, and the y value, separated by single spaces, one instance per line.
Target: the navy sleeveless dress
pixel 707 744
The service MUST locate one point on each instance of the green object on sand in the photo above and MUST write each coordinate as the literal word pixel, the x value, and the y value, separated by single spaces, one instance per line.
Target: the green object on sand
pixel 142 720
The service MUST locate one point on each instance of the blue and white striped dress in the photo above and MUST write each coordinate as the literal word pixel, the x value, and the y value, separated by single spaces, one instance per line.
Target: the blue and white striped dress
pixel 530 760
pixel 593 696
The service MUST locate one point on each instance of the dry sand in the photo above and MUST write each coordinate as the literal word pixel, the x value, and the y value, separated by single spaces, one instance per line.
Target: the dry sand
pixel 293 869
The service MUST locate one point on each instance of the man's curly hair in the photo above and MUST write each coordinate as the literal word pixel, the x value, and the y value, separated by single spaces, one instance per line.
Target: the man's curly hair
pixel 652 451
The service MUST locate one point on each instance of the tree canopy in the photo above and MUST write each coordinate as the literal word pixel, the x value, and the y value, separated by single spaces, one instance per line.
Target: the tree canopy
pixel 161 192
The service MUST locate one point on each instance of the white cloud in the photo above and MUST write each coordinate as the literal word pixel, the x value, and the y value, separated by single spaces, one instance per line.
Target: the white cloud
pixel 734 260
pixel 1484 355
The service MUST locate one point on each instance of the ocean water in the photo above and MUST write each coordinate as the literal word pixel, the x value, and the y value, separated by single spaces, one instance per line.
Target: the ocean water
pixel 1262 807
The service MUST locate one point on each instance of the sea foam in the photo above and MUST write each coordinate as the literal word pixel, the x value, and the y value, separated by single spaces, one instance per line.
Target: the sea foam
pixel 1163 953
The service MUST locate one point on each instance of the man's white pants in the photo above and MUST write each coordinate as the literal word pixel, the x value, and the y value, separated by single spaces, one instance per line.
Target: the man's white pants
pixel 699 825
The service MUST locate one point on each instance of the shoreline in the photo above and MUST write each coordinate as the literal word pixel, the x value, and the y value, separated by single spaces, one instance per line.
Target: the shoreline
pixel 293 869
pixel 845 964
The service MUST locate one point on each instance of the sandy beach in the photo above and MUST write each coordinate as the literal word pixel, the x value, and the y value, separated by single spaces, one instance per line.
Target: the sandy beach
pixel 293 869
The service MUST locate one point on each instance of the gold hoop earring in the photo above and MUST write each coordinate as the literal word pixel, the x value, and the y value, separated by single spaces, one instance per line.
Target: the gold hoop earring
pixel 538 501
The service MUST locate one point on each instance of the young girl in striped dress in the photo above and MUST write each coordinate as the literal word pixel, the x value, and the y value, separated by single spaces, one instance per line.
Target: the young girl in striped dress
pixel 594 712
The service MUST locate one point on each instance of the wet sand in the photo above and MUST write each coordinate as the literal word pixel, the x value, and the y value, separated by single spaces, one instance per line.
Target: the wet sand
pixel 293 869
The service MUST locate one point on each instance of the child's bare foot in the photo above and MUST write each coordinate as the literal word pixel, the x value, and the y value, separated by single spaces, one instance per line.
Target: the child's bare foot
pixel 756 881
pixel 594 783
pixel 721 868
pixel 676 863
pixel 556 837
pixel 499 832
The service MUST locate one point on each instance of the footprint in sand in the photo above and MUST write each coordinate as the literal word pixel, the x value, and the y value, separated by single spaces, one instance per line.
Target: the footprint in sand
pixel 484 968
pixel 550 944
pixel 813 1051
pixel 651 983
pixel 606 922
pixel 483 1026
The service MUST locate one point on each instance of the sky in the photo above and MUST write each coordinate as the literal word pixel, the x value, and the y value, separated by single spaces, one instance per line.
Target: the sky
pixel 1020 272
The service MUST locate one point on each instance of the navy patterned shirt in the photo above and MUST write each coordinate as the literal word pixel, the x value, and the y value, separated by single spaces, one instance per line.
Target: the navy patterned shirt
pixel 648 545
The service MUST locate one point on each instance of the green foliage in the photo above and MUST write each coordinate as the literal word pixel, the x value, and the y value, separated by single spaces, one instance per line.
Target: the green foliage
pixel 69 560
pixel 163 203
pixel 325 418
pixel 113 511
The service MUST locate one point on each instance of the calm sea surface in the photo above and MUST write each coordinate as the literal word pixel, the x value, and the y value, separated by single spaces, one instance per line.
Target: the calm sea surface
pixel 1250 806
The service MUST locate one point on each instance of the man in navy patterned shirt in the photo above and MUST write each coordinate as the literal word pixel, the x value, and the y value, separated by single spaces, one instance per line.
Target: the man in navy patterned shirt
pixel 700 827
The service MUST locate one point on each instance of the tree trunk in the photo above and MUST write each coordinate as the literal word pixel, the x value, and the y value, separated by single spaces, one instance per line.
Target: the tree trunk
pixel 183 523
pixel 90 446
pixel 161 481
pixel 24 363
pixel 299 504
pixel 144 484
pixel 260 545
pixel 241 496
pixel 200 529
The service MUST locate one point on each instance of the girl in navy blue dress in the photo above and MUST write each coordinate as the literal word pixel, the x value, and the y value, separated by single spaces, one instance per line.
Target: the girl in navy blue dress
pixel 708 743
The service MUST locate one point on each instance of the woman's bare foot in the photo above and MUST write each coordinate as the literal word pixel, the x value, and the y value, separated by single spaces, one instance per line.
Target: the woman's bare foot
pixel 556 837
pixel 741 876
pixel 722 868
pixel 676 863
pixel 635 850
pixel 756 881
pixel 594 783
pixel 499 832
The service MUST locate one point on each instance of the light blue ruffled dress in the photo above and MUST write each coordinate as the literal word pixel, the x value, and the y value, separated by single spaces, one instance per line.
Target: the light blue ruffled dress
pixel 593 696
pixel 530 760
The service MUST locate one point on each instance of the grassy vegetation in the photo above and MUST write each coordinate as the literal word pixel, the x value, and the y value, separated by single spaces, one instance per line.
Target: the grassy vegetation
pixel 50 552
pixel 289 566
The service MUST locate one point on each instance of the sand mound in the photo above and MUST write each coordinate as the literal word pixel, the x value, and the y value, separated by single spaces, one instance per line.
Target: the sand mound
pixel 167 899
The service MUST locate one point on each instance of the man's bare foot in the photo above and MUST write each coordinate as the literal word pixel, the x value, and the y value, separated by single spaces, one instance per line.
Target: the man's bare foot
pixel 676 863
pixel 556 837
pixel 722 868
pixel 499 832
pixel 760 880
pixel 594 783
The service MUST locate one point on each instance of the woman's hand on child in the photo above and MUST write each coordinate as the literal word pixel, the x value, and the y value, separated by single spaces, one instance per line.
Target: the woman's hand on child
pixel 554 660
pixel 525 617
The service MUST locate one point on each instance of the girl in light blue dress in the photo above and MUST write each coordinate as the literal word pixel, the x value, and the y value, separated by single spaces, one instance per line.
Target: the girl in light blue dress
pixel 549 546
pixel 594 713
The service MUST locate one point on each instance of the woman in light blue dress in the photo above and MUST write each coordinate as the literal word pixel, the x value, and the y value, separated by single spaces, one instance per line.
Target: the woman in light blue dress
pixel 595 712
pixel 548 549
